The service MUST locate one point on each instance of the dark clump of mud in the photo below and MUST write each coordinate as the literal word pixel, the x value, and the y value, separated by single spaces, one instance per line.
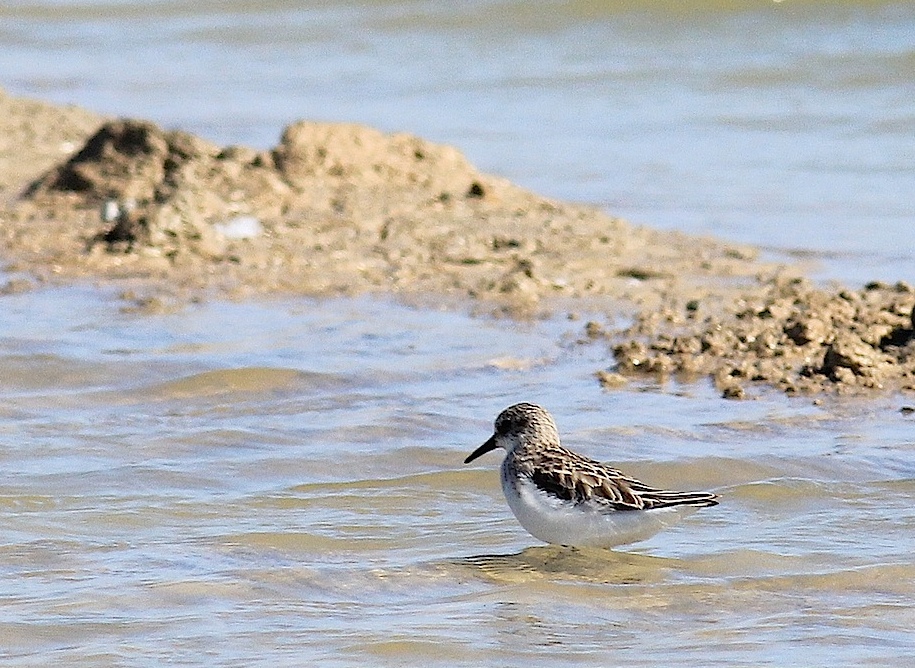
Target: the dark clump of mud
pixel 161 190
pixel 791 335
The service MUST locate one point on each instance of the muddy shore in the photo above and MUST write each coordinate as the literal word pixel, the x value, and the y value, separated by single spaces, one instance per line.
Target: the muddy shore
pixel 338 209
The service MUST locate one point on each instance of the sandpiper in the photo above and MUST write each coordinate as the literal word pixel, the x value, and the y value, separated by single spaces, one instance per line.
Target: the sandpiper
pixel 563 498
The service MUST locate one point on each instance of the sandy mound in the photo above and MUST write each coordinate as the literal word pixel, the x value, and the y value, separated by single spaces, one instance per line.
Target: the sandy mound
pixel 339 208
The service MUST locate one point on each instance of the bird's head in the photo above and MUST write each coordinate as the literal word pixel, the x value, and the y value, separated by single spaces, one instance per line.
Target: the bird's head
pixel 517 426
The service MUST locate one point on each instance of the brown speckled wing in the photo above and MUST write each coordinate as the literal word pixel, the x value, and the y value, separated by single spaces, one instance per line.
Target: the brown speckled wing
pixel 578 479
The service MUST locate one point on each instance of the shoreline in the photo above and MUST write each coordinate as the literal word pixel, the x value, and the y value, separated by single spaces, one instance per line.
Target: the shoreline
pixel 342 209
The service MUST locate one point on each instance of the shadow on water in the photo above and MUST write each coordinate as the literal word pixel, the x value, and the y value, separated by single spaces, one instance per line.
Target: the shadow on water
pixel 587 565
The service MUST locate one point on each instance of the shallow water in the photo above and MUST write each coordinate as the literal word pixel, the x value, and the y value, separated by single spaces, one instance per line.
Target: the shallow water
pixel 281 484
pixel 789 125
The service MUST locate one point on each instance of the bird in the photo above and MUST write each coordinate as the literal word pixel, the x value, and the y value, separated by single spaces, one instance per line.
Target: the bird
pixel 563 498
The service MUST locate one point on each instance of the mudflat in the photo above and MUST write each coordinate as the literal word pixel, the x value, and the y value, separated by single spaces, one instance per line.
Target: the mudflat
pixel 338 209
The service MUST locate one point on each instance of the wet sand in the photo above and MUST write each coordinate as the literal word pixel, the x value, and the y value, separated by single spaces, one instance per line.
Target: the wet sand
pixel 341 209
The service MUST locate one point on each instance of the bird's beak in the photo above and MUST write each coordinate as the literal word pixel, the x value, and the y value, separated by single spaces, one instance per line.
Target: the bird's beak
pixel 483 449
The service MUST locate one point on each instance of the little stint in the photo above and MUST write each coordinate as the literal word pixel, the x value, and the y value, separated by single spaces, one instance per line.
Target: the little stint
pixel 563 498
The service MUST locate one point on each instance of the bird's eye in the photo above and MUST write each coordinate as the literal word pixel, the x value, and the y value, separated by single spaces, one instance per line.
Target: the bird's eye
pixel 503 427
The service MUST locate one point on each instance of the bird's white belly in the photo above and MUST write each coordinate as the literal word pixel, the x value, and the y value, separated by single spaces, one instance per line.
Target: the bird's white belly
pixel 561 522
